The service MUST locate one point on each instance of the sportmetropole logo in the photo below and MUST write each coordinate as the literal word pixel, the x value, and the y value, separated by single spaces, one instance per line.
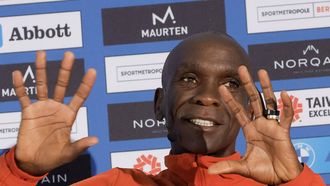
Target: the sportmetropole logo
pixel 148 164
pixel 297 107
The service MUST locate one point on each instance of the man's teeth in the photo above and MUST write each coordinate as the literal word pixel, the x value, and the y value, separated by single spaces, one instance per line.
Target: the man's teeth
pixel 202 122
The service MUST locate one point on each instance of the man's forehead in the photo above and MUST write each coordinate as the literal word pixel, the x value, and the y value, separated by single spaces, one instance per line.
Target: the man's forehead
pixel 226 68
pixel 203 46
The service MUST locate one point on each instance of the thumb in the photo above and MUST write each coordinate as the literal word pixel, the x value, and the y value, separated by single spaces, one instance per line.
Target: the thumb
pixel 76 148
pixel 228 167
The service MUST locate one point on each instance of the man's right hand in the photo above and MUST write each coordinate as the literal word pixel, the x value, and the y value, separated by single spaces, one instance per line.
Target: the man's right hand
pixel 44 135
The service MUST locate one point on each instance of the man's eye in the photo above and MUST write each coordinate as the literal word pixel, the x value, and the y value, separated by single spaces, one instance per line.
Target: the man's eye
pixel 232 84
pixel 189 80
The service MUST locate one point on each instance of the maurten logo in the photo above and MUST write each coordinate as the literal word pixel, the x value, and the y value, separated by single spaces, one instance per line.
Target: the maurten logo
pixel 167 30
pixel 29 85
pixel 148 164
pixel 0 35
pixel 169 13
pixel 297 107
pixel 29 73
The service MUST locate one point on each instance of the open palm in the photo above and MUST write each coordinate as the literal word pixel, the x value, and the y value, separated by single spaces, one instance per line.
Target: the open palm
pixel 44 136
pixel 270 157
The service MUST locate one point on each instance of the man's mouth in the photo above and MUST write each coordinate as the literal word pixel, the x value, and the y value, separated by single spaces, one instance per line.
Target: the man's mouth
pixel 202 122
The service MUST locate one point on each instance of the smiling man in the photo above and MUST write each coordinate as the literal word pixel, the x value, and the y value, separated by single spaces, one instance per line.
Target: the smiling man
pixel 207 96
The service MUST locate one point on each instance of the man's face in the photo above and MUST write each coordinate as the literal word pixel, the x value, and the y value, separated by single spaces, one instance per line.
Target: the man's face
pixel 197 118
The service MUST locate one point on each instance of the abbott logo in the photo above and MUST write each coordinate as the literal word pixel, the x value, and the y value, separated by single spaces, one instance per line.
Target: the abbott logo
pixel 41 32
pixel 168 13
pixel 148 164
pixel 35 32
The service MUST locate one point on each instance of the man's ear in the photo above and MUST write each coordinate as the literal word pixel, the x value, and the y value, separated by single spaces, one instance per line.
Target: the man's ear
pixel 158 104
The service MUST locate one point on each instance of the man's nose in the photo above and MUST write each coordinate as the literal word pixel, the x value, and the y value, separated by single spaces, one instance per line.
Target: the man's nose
pixel 207 95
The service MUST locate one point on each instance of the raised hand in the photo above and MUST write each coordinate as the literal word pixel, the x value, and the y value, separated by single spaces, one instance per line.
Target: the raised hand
pixel 270 157
pixel 44 135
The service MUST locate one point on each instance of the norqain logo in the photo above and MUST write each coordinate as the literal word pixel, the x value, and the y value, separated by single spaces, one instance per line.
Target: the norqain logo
pixel 169 28
pixel 310 58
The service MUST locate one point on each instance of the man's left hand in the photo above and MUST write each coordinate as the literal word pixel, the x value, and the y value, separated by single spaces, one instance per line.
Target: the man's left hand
pixel 270 156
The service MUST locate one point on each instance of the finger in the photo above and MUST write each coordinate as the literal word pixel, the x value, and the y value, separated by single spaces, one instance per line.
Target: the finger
pixel 287 111
pixel 239 112
pixel 76 148
pixel 83 90
pixel 63 76
pixel 229 167
pixel 267 89
pixel 251 90
pixel 42 90
pixel 20 89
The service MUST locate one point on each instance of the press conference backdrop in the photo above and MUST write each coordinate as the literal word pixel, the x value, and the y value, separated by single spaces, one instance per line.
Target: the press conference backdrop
pixel 127 42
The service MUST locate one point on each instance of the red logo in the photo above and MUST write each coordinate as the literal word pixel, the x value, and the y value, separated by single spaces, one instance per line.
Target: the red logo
pixel 148 164
pixel 297 107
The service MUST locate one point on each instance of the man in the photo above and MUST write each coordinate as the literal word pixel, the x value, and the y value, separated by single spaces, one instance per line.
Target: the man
pixel 207 96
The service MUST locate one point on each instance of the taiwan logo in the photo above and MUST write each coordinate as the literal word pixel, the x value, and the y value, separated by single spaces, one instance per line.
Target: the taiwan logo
pixel 305 153
pixel 0 36
pixel 148 164
pixel 297 108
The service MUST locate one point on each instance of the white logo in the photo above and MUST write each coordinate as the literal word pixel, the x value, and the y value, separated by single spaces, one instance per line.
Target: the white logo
pixel 168 13
pixel 310 48
pixel 29 73
pixel 305 153
pixel 303 62
pixel 282 15
pixel 41 32
pixel 128 73
pixel 12 2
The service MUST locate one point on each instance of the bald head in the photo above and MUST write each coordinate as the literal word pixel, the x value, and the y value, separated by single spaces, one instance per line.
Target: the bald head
pixel 201 45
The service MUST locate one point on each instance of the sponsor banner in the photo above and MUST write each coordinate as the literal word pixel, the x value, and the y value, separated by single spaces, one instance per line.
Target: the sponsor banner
pixel 280 15
pixel 148 161
pixel 313 152
pixel 28 71
pixel 134 72
pixel 0 36
pixel 161 22
pixel 41 32
pixel 311 107
pixel 291 60
pixel 70 173
pixel 134 121
pixel 12 2
pixel 9 126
